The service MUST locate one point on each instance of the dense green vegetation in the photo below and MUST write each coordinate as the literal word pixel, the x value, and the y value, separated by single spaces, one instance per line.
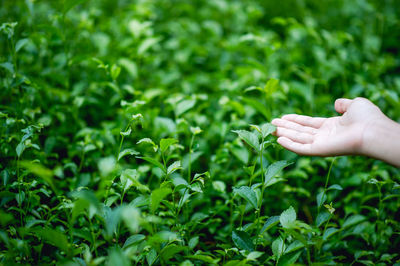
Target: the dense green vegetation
pixel 136 132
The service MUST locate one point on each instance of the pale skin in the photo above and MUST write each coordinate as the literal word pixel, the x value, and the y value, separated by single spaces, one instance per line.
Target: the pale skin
pixel 361 129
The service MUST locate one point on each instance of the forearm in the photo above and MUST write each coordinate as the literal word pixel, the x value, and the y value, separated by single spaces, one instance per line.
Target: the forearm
pixel 382 141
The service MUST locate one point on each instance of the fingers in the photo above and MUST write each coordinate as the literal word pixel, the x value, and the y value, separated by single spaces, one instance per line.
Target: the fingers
pixel 294 126
pixel 308 121
pixel 299 148
pixel 296 136
pixel 342 104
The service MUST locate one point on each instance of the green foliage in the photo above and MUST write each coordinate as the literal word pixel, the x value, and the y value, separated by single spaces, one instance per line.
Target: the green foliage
pixel 136 132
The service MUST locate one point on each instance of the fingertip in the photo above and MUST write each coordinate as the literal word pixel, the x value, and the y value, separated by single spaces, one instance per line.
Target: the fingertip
pixel 288 116
pixel 284 141
pixel 342 104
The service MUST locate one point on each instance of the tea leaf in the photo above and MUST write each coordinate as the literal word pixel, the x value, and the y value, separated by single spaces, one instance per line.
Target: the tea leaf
pixel 127 152
pixel 248 194
pixel 153 162
pixel 272 170
pixel 250 138
pixel 278 247
pixel 242 240
pixel 288 218
pixel 165 143
pixel 157 196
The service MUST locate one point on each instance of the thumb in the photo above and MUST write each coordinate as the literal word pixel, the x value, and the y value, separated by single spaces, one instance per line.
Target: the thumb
pixel 342 104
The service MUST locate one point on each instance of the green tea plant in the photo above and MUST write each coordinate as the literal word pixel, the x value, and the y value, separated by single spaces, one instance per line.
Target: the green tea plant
pixel 136 132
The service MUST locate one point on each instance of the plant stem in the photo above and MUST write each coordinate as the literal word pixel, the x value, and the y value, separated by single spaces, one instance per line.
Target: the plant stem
pixel 262 192
pixel 326 183
pixel 190 159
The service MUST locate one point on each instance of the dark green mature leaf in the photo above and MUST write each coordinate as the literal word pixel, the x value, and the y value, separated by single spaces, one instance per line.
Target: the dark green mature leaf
pixel 321 198
pixel 133 240
pixel 205 258
pixel 53 237
pixel 168 252
pixel 151 256
pixel 322 218
pixel 335 187
pixel 250 138
pixel 329 231
pixel 271 221
pixel 40 171
pixel 248 194
pixel 157 196
pixel 242 240
pixel 289 259
pixel 353 220
pixel 272 170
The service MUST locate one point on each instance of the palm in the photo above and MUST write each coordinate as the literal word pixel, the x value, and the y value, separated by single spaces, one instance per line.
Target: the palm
pixel 337 135
pixel 317 136
pixel 332 136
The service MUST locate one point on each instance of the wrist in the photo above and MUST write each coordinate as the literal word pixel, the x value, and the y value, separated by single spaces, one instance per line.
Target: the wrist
pixel 381 140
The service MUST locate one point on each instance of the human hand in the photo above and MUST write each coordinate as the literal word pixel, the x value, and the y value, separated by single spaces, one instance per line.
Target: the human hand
pixel 339 135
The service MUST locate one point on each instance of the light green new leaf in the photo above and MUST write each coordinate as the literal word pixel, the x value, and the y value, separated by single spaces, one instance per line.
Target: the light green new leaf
pixel 278 247
pixel 131 217
pixel 267 129
pixel 271 86
pixel 184 106
pixel 127 152
pixel 288 218
pixel 157 196
pixel 242 240
pixel 129 66
pixel 248 194
pixel 115 71
pixel 153 162
pixel 165 143
pixel 126 133
pixel 250 138
pixel 130 177
pixel 173 167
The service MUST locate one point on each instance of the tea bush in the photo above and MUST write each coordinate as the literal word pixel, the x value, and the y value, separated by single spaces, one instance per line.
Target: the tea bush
pixel 136 132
